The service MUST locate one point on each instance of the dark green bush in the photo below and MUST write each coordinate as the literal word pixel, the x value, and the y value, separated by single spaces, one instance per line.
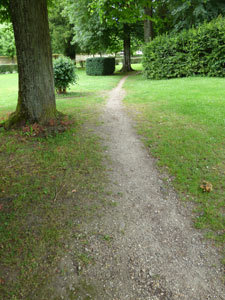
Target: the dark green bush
pixel 8 69
pixel 100 65
pixel 64 73
pixel 198 51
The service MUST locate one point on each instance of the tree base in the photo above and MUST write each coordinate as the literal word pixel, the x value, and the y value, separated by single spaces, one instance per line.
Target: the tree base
pixel 18 120
pixel 126 69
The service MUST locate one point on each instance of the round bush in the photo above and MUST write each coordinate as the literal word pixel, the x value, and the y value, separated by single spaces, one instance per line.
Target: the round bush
pixel 64 73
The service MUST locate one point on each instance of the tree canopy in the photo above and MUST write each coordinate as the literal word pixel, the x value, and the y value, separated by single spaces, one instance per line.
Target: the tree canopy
pixel 186 14
pixel 92 35
pixel 61 31
pixel 4 10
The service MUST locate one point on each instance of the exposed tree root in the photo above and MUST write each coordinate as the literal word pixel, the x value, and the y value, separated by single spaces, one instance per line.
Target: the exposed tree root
pixel 19 120
pixel 15 120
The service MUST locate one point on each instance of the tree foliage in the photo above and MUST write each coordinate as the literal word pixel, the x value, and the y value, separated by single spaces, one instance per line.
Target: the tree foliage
pixel 124 16
pixel 186 14
pixel 61 31
pixel 4 10
pixel 7 42
pixel 92 35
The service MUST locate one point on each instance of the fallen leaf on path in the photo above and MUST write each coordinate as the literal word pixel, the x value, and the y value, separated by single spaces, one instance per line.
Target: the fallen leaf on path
pixel 74 191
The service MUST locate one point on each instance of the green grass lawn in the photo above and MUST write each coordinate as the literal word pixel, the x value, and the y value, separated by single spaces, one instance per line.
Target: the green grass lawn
pixel 183 125
pixel 47 186
pixel 83 93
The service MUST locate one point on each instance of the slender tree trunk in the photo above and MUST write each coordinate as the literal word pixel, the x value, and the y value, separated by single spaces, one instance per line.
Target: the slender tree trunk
pixel 126 49
pixel 148 25
pixel 36 98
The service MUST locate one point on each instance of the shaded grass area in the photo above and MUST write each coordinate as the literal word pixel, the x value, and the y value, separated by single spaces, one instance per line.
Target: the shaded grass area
pixel 183 124
pixel 48 186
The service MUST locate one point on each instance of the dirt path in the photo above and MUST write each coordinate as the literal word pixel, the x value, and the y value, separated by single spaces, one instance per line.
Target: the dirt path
pixel 144 246
pixel 147 247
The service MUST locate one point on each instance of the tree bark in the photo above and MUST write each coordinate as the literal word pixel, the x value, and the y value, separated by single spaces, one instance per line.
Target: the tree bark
pixel 36 97
pixel 148 25
pixel 126 49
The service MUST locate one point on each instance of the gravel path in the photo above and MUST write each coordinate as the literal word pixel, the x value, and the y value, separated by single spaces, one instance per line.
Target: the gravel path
pixel 146 247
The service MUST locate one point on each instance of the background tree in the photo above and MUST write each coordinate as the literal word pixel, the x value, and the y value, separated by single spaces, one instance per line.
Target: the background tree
pixel 125 17
pixel 7 42
pixel 171 15
pixel 186 14
pixel 148 21
pixel 92 35
pixel 4 10
pixel 157 18
pixel 61 31
pixel 36 97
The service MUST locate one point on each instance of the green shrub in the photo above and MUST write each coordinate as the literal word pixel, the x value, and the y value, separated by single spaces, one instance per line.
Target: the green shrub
pixel 64 73
pixel 100 65
pixel 198 51
pixel 8 69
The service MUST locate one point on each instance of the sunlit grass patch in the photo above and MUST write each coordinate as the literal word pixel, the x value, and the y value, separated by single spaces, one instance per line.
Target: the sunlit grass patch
pixel 183 123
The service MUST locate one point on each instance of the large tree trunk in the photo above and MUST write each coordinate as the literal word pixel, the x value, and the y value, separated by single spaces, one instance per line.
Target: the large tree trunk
pixel 148 25
pixel 36 98
pixel 126 49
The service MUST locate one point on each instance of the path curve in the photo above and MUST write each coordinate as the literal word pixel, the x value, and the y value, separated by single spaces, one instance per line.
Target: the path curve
pixel 147 247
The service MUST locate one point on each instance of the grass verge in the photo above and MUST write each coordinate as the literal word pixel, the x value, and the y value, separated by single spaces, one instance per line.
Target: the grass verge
pixel 182 122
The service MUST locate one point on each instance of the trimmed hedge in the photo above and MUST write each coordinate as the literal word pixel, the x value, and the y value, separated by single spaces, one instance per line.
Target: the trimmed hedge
pixel 8 69
pixel 198 51
pixel 100 66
